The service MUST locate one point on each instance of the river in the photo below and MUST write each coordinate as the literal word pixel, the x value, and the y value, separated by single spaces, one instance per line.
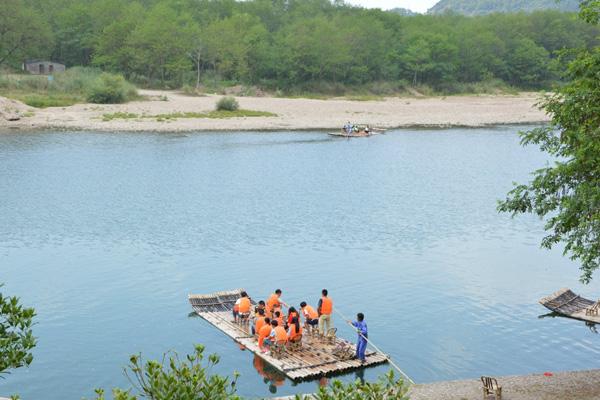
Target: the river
pixel 105 234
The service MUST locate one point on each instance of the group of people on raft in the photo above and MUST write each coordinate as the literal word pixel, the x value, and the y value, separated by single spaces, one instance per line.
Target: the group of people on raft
pixel 356 130
pixel 272 326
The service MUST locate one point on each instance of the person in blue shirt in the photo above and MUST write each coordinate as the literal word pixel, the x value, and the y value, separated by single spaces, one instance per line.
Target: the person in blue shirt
pixel 363 334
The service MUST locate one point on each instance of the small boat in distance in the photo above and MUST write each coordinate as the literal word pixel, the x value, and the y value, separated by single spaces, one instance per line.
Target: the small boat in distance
pixel 357 131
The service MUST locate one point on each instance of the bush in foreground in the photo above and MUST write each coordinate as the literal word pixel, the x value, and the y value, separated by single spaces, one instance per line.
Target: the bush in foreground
pixel 190 379
pixel 16 337
pixel 227 103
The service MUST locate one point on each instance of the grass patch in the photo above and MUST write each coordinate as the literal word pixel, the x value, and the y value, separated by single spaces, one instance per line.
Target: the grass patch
pixel 181 115
pixel 76 85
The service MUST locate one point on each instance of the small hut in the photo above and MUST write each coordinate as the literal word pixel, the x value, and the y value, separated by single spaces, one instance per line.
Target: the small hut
pixel 41 67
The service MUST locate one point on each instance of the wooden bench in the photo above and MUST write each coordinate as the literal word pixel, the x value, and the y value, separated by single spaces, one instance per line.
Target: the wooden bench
pixel 491 388
pixel 593 310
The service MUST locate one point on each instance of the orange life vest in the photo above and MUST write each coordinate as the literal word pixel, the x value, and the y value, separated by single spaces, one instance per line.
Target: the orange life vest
pixel 273 302
pixel 310 313
pixel 260 322
pixel 293 332
pixel 244 306
pixel 264 332
pixel 280 334
pixel 326 306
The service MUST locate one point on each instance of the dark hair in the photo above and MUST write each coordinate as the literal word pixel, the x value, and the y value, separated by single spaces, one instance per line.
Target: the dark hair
pixel 291 310
pixel 262 302
pixel 267 320
pixel 360 316
pixel 303 304
pixel 324 291
pixel 244 294
pixel 277 314
pixel 278 291
pixel 297 323
pixel 261 311
pixel 274 323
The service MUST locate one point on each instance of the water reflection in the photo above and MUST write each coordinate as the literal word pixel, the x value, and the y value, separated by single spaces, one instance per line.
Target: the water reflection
pixel 272 377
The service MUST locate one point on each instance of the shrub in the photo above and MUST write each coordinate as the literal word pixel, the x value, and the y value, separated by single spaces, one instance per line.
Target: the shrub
pixel 17 338
pixel 227 103
pixel 386 388
pixel 111 89
pixel 175 378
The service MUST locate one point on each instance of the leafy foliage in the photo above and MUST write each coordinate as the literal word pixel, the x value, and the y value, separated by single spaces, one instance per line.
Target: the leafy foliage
pixel 387 388
pixel 24 33
pixel 227 103
pixel 479 7
pixel 175 379
pixel 297 46
pixel 16 336
pixel 568 192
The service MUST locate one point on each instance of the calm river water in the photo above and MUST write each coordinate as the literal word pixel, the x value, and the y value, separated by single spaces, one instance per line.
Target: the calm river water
pixel 106 234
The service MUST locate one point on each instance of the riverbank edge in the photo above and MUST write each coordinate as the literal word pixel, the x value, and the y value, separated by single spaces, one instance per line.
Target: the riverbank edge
pixel 7 129
pixel 568 385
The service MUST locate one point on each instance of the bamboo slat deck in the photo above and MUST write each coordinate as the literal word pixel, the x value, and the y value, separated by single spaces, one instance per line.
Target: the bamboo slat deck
pixel 567 303
pixel 315 358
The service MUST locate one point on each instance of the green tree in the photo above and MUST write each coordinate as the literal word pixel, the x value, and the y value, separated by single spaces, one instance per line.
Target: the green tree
pixel 16 336
pixel 160 44
pixel 527 64
pixel 24 33
pixel 567 193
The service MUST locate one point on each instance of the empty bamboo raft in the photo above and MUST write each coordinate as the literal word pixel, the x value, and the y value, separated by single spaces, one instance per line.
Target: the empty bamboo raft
pixel 317 357
pixel 567 303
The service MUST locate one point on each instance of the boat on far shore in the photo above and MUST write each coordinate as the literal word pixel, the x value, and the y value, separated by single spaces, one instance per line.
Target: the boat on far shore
pixel 358 131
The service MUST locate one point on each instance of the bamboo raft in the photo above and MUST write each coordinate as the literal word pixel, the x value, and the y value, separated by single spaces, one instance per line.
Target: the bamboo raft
pixel 317 357
pixel 569 304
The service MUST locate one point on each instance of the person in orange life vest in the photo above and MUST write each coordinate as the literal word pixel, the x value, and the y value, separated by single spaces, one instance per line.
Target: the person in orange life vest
pixel 311 317
pixel 264 333
pixel 325 309
pixel 277 334
pixel 259 306
pixel 260 321
pixel 291 314
pixel 242 307
pixel 274 303
pixel 279 318
pixel 295 331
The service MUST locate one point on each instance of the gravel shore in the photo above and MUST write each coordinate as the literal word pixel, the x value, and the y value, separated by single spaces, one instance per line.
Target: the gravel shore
pixel 292 114
pixel 578 385
pixel 575 385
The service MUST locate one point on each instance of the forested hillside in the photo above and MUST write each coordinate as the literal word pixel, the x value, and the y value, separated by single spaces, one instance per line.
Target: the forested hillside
pixel 482 7
pixel 286 45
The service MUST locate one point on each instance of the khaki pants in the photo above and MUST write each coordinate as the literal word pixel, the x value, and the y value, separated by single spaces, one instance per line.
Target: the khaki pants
pixel 325 323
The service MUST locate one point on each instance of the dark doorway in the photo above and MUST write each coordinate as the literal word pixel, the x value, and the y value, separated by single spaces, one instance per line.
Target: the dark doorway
pixel 42 70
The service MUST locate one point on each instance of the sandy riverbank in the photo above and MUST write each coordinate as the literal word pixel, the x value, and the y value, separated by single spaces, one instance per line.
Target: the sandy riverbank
pixel 292 114
pixel 575 385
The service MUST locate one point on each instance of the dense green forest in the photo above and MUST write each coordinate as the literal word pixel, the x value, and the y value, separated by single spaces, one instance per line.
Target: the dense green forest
pixel 315 45
pixel 481 7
